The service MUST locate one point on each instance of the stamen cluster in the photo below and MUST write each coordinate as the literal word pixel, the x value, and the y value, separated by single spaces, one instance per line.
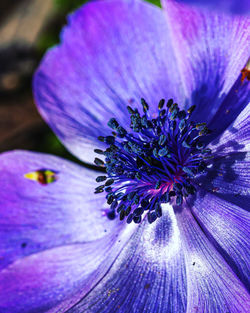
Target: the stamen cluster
pixel 154 163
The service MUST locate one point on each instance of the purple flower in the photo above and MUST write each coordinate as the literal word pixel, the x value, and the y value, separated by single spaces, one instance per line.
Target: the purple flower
pixel 183 184
pixel 231 6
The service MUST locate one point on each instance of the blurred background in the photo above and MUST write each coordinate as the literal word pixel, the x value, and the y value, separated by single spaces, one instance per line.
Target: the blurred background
pixel 27 29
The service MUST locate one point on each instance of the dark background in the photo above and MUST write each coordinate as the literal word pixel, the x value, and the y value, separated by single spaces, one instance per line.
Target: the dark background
pixel 27 29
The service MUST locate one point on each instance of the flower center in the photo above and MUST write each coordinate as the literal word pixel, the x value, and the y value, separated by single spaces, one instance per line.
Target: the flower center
pixel 152 164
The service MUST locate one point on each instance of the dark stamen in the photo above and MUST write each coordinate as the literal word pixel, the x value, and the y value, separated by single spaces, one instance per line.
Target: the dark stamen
pixel 152 164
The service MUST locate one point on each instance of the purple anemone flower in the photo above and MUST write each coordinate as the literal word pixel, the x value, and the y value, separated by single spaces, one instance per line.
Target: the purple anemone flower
pixel 162 224
pixel 230 6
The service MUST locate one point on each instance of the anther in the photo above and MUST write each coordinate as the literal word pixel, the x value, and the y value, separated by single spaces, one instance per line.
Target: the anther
pixel 161 104
pixel 98 162
pixel 170 102
pixel 101 178
pixel 109 182
pixel 144 105
pixel 191 109
pixel 98 151
pixel 113 123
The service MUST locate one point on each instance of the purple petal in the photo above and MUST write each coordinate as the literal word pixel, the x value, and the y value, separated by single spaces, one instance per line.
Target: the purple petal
pixel 36 217
pixel 229 178
pixel 228 227
pixel 236 138
pixel 211 50
pixel 56 277
pixel 212 286
pixel 231 6
pixel 236 100
pixel 112 54
pixel 148 276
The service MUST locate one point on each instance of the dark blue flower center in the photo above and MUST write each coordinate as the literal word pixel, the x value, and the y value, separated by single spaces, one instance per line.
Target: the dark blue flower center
pixel 154 163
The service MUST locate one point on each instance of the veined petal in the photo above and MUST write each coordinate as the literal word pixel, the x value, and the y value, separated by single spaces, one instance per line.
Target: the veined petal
pixel 111 55
pixel 229 175
pixel 211 50
pixel 36 217
pixel 211 285
pixel 235 101
pixel 236 138
pixel 147 276
pixel 228 227
pixel 56 277
pixel 229 178
pixel 230 6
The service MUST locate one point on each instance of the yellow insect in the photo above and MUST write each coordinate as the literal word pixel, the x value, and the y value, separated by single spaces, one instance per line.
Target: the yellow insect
pixel 42 176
